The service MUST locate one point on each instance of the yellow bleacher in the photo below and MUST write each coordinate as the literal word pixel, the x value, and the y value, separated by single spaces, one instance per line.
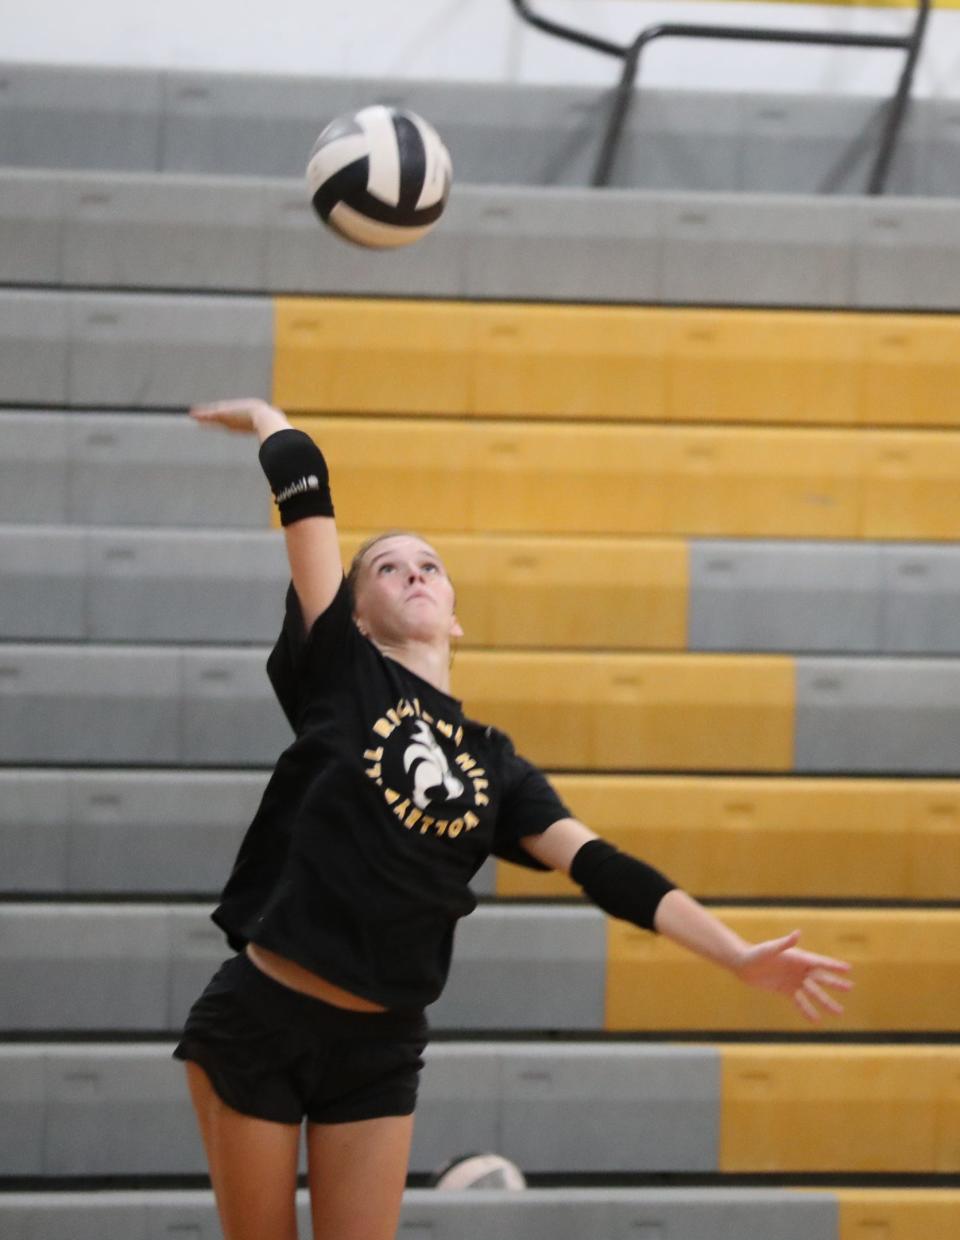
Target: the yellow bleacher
pixel 641 481
pixel 909 486
pixel 832 1109
pixel 906 963
pixel 762 838
pixel 588 593
pixel 762 483
pixel 344 355
pixel 910 370
pixel 898 1213
pixel 570 361
pixel 763 366
pixel 461 359
pixel 627 712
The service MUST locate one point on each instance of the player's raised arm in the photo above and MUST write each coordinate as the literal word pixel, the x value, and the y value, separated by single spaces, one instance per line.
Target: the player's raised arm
pixel 298 478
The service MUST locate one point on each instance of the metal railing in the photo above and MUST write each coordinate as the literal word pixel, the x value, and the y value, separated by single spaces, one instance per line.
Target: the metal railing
pixel 630 54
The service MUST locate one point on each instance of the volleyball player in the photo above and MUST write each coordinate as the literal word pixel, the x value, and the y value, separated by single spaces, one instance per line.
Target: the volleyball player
pixel 341 905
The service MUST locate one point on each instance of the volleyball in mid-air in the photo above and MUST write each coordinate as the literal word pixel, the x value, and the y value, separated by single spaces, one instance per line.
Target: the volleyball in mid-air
pixel 379 177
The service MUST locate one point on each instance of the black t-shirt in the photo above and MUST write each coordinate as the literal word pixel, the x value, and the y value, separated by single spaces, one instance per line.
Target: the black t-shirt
pixel 357 862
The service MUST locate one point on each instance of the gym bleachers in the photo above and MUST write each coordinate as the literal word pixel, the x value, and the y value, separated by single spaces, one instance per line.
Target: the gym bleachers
pixel 554 1214
pixel 183 231
pixel 236 124
pixel 736 1109
pixel 583 363
pixel 688 447
pixel 590 362
pixel 89 831
pixel 542 1214
pixel 760 837
pixel 735 482
pixel 103 584
pixel 136 968
pixel 97 831
pixel 712 482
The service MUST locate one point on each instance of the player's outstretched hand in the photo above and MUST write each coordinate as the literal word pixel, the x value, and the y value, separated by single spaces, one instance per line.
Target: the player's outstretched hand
pixel 233 415
pixel 806 978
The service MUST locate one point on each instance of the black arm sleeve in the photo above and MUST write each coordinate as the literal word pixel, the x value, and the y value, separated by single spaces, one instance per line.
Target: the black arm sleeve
pixel 297 473
pixel 618 883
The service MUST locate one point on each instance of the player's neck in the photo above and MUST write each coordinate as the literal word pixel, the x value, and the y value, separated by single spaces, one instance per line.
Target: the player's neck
pixel 429 661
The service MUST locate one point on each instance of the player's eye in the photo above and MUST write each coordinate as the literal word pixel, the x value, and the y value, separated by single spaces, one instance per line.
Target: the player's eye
pixel 430 567
pixel 386 567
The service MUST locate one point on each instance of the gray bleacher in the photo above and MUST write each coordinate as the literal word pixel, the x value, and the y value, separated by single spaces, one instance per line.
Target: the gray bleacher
pixel 856 598
pixel 88 583
pixel 497 133
pixel 896 716
pixel 66 117
pixel 553 1106
pixel 34 348
pixel 139 967
pixel 763 249
pixel 549 1106
pixel 98 349
pixel 798 142
pixel 484 1214
pixel 786 596
pixel 155 706
pixel 102 469
pixel 126 231
pixel 106 831
pixel 164 231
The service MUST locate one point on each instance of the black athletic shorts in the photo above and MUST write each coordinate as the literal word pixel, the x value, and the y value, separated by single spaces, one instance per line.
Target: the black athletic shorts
pixel 278 1054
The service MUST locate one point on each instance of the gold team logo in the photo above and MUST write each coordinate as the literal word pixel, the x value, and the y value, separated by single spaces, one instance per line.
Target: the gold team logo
pixel 429 782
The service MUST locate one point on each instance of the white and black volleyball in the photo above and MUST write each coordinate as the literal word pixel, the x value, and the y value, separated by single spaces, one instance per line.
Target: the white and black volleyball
pixel 480 1171
pixel 380 177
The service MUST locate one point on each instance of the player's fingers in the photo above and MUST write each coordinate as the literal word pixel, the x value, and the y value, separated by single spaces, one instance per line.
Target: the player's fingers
pixel 227 419
pixel 806 1006
pixel 221 408
pixel 812 988
pixel 233 402
pixel 208 414
pixel 821 963
pixel 827 962
pixel 831 979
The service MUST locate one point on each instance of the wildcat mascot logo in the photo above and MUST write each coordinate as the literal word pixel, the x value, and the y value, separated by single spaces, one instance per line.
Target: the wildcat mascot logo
pixel 432 778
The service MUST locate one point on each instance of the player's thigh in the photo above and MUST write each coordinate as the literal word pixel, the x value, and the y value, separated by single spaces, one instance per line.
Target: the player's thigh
pixel 357 1173
pixel 253 1165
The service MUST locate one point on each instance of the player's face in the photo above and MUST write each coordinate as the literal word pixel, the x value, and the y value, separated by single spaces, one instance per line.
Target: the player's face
pixel 403 592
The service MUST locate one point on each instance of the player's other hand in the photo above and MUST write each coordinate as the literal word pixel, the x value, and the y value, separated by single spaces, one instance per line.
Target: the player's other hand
pixel 233 415
pixel 804 977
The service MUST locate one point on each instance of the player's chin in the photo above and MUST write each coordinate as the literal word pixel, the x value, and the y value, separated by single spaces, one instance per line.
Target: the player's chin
pixel 426 628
